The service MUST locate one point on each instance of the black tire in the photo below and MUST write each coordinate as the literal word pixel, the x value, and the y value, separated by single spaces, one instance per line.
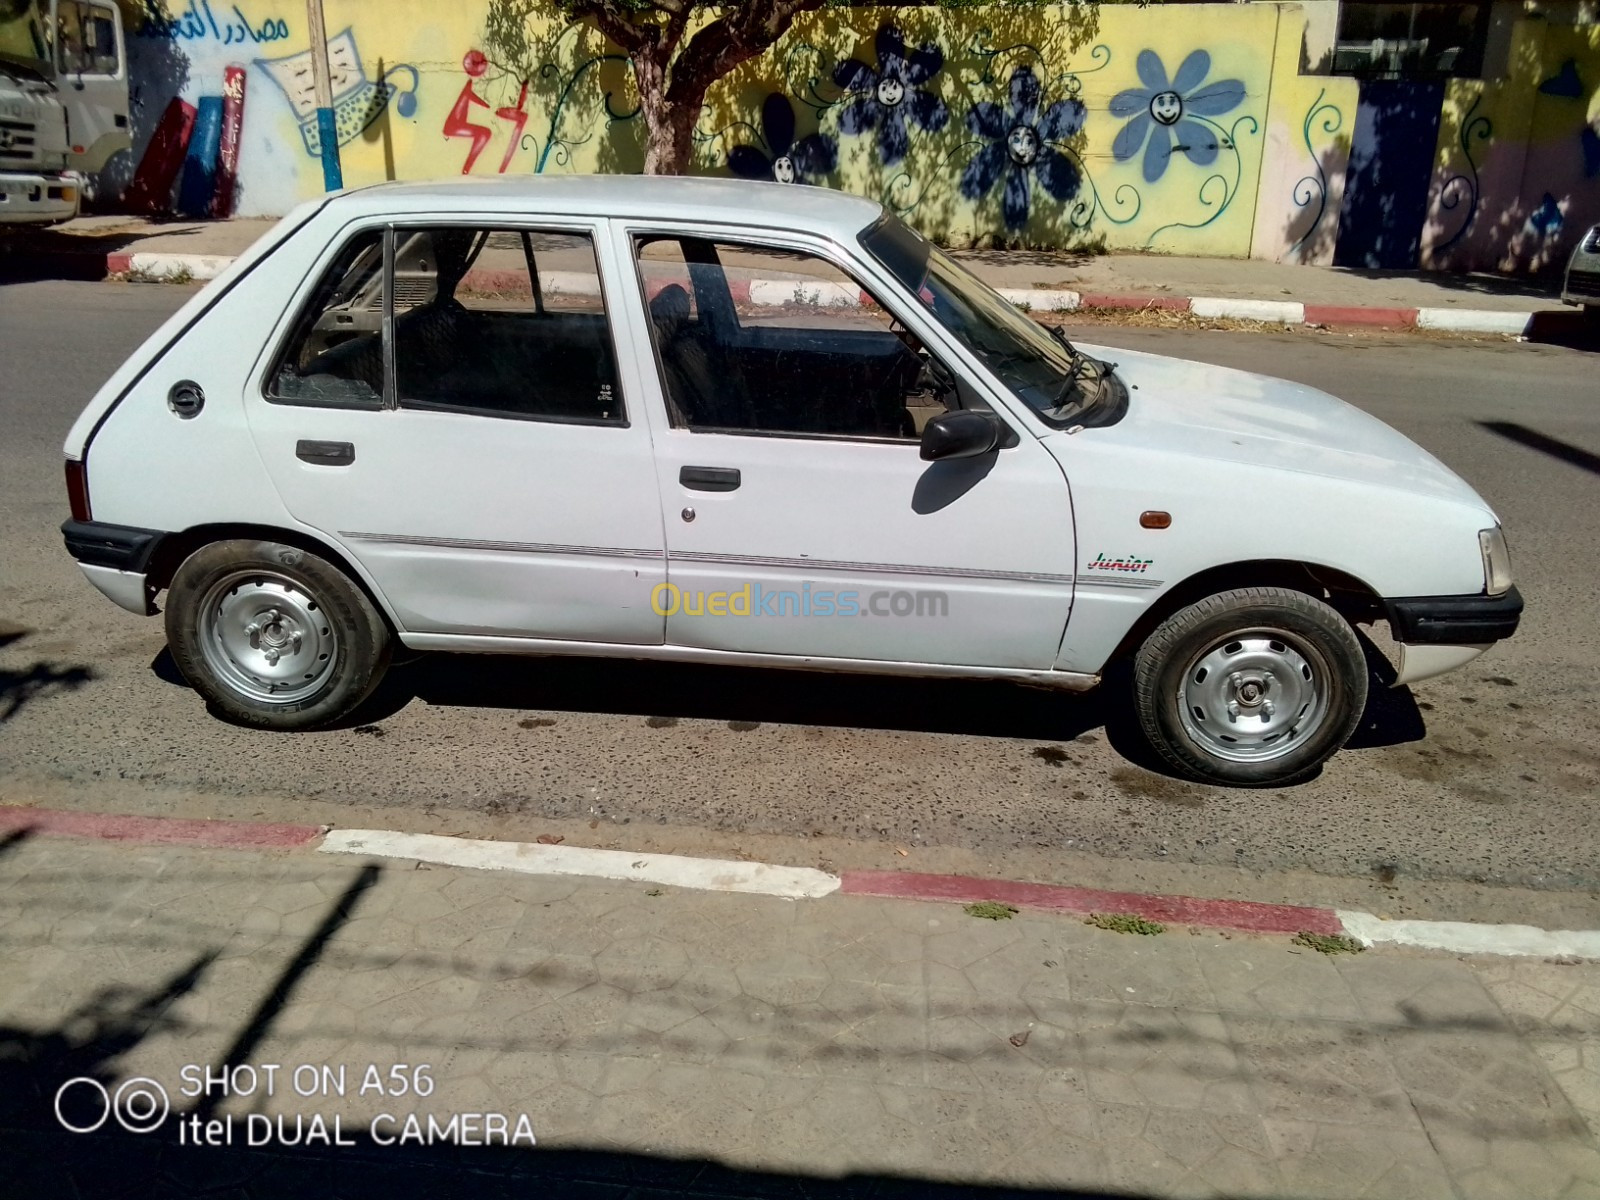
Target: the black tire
pixel 333 644
pixel 1314 662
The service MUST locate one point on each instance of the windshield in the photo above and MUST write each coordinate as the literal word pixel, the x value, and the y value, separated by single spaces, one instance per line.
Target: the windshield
pixel 1060 383
pixel 22 37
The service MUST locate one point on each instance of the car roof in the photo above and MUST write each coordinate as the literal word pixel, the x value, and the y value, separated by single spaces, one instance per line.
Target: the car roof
pixel 676 198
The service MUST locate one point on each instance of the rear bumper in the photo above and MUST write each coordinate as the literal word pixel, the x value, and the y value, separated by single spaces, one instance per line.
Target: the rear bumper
pixel 115 558
pixel 100 544
pixel 1455 620
pixel 32 199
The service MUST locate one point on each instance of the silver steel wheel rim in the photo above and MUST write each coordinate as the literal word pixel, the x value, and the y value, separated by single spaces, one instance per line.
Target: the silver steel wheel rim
pixel 1254 695
pixel 267 638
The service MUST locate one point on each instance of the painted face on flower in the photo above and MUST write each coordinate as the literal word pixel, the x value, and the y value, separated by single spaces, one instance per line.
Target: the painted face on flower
pixel 1022 143
pixel 1173 115
pixel 890 97
pixel 785 158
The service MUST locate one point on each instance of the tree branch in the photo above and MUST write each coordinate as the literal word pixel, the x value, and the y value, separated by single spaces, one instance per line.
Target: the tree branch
pixel 613 22
pixel 730 40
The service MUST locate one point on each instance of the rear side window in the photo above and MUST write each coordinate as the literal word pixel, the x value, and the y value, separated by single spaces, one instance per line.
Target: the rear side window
pixel 493 322
pixel 335 354
pixel 503 322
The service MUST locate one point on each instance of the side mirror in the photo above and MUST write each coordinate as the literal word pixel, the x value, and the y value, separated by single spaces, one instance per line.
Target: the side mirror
pixel 966 433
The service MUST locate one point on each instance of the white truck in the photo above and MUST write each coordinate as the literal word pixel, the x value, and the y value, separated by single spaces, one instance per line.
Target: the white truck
pixel 63 104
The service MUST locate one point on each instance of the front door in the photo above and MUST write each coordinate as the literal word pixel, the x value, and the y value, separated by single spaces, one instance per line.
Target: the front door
pixel 800 518
pixel 471 449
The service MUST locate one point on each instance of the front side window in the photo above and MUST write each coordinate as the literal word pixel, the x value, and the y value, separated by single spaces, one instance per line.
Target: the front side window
pixel 503 322
pixel 752 339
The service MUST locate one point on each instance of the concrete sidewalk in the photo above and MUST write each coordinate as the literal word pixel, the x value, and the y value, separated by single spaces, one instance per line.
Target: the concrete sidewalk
pixel 91 247
pixel 853 1047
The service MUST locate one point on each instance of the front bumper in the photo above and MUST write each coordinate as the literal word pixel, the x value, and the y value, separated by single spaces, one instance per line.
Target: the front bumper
pixel 115 558
pixel 1441 633
pixel 1455 620
pixel 34 199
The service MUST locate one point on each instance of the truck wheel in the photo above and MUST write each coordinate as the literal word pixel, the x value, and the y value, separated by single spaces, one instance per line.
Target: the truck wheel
pixel 274 637
pixel 1255 687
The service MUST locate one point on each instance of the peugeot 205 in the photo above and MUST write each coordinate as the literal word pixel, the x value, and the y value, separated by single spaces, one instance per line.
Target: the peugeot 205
pixel 753 424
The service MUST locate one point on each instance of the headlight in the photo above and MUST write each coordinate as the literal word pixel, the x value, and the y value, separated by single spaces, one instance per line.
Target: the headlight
pixel 1496 561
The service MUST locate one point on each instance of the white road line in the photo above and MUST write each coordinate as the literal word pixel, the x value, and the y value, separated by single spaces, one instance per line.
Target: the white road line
pixel 532 858
pixel 1463 937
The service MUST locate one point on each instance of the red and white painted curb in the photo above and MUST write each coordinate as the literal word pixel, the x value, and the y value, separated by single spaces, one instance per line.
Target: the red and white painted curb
pixel 201 267
pixel 805 883
pixel 165 831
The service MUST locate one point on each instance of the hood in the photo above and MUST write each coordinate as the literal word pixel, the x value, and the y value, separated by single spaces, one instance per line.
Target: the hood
pixel 1199 410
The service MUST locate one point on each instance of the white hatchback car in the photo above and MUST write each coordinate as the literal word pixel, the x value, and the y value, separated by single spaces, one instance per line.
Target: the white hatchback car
pixel 723 422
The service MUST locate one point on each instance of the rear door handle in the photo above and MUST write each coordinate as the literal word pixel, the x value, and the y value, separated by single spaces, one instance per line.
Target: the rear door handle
pixel 709 479
pixel 325 454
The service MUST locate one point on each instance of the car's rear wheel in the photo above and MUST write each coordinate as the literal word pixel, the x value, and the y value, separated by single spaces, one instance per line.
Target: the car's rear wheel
pixel 273 636
pixel 1254 687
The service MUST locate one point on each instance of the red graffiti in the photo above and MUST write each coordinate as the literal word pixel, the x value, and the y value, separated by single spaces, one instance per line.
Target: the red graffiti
pixel 459 124
pixel 518 117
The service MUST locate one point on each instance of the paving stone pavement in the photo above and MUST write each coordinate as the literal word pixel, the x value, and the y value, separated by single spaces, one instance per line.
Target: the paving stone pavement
pixel 669 1043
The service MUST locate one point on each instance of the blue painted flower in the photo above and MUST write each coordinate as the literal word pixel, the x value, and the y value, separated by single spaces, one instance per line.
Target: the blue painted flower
pixel 883 96
pixel 1160 108
pixel 790 161
pixel 1019 148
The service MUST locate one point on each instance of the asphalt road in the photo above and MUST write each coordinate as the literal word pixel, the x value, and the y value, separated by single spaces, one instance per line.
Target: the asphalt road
pixel 1489 774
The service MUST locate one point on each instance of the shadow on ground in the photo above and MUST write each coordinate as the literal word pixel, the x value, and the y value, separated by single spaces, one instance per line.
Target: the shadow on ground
pixel 1523 287
pixel 1576 456
pixel 28 256
pixel 20 686
pixel 745 697
pixel 46 1159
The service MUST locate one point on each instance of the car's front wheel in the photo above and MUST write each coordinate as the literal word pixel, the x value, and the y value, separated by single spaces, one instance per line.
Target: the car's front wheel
pixel 1253 687
pixel 273 636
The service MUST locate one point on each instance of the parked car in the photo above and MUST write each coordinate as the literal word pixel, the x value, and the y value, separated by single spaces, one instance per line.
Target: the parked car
pixel 755 424
pixel 1582 282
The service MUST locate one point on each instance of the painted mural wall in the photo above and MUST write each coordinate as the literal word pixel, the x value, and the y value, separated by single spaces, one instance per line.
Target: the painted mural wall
pixel 1181 131
pixel 1517 168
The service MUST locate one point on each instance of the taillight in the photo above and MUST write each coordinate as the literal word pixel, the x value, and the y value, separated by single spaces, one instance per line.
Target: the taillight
pixel 78 489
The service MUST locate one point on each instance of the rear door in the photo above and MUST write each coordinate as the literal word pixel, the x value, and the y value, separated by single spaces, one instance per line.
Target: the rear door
pixel 463 433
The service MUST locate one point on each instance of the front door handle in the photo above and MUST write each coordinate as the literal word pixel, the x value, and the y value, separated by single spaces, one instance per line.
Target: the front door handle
pixel 709 479
pixel 325 454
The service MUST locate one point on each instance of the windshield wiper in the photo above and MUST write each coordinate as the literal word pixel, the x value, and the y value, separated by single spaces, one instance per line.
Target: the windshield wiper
pixel 1080 365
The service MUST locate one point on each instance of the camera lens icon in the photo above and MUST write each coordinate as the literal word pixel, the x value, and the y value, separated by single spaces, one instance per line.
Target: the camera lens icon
pixel 140 1104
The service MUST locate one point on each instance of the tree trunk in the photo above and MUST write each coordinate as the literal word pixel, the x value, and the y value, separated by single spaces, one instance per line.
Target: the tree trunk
pixel 669 139
pixel 668 124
